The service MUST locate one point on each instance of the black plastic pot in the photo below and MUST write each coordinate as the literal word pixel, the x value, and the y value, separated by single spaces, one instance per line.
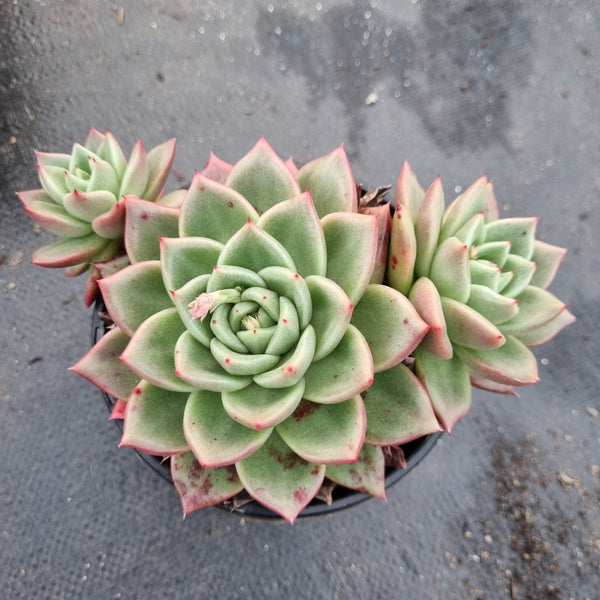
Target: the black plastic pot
pixel 342 497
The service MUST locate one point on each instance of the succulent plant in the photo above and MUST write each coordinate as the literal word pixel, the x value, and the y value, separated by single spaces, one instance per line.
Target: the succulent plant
pixel 480 283
pixel 81 201
pixel 256 346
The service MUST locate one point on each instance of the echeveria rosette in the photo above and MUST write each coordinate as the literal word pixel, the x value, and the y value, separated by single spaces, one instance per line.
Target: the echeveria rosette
pixel 480 283
pixel 82 201
pixel 267 359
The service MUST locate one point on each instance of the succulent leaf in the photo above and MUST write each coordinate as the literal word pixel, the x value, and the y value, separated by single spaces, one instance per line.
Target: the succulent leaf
pixel 89 205
pixel 67 252
pixel 278 478
pixel 365 475
pixel 159 161
pixel 519 231
pixel 343 373
pixel 305 240
pixel 398 408
pixel 350 234
pixel 326 433
pixel 111 224
pixel 154 420
pixel 258 407
pixel 183 259
pixel 200 487
pixel 215 439
pixel 330 182
pixel 547 259
pixel 427 227
pixel 511 364
pixel 448 386
pixel 391 339
pixel 135 177
pixel 216 169
pixel 212 210
pixel 131 294
pixel 101 365
pixel 403 250
pixel 425 297
pixel 450 270
pixel 151 351
pixel 384 228
pixel 409 192
pixel 145 224
pixel 56 219
pixel 263 178
pixel 544 333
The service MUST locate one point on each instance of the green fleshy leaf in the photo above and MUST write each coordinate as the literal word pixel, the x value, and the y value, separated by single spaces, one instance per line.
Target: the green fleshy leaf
pixel 236 363
pixel 493 306
pixel 257 340
pixel 151 351
pixel 159 161
pixel 403 250
pixel 134 294
pixel 409 192
pixel 254 249
pixel 398 408
pixel 473 200
pixel 76 181
pixel 495 252
pixel 216 439
pixel 493 386
pixel 331 313
pixel 182 298
pixel 450 270
pixel 279 479
pixel 154 420
pixel 331 184
pixel 485 273
pixel 173 199
pixel 326 433
pixel 230 343
pixel 216 169
pixel 81 157
pixel 351 251
pixel 110 151
pixel 288 283
pixel 101 365
pixel 287 330
pixel 427 227
pixel 53 159
pixel 425 297
pixel 113 249
pixel 511 364
pixel 262 178
pixel 135 177
pixel 536 307
pixel 293 366
pixel 53 181
pixel 448 385
pixel 111 225
pixel 56 219
pixel 468 328
pixel 196 365
pixel 390 324
pixel 547 259
pixel 472 233
pixel 366 475
pixel 183 259
pixel 213 210
pixel 384 228
pixel 94 140
pixel 69 251
pixel 544 333
pixel 258 407
pixel 103 177
pixel 517 274
pixel 266 298
pixel 200 487
pixel 226 277
pixel 343 373
pixel 89 205
pixel 519 231
pixel 305 240
pixel 145 224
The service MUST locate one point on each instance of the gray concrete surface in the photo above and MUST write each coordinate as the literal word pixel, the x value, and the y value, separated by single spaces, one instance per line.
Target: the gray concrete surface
pixel 505 507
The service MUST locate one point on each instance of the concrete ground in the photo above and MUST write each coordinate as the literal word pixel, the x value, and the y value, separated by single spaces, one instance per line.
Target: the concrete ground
pixel 505 507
